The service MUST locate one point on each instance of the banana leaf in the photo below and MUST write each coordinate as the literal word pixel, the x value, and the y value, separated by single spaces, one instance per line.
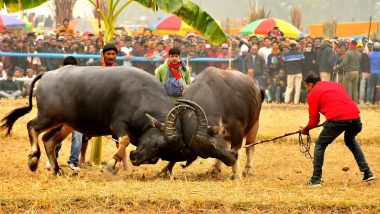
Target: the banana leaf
pixel 14 6
pixel 192 15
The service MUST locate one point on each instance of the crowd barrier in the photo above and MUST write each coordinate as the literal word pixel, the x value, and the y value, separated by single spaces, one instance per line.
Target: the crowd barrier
pixel 97 56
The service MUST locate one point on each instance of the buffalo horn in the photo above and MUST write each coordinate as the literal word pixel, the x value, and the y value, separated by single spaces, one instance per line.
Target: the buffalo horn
pixel 202 119
pixel 171 120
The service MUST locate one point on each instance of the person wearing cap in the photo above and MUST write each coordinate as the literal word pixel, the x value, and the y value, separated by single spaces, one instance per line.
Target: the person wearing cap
pixel 293 65
pixel 374 78
pixel 326 59
pixel 351 66
pixel 342 115
pixel 174 68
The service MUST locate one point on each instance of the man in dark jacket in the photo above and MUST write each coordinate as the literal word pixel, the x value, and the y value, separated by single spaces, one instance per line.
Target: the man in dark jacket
pixel 351 66
pixel 256 64
pixel 365 68
pixel 53 63
pixel 293 65
pixel 326 60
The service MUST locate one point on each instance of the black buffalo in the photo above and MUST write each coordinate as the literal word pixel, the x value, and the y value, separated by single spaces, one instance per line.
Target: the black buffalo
pixel 120 101
pixel 232 101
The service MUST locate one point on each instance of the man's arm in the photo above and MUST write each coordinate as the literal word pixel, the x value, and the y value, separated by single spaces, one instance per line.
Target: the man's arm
pixel 314 116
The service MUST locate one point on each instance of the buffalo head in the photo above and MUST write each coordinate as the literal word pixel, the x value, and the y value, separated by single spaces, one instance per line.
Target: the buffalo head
pixel 167 140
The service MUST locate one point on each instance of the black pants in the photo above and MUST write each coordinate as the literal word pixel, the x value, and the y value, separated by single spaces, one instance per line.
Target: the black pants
pixel 331 130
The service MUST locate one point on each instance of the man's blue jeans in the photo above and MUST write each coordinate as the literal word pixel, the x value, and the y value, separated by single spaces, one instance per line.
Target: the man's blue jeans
pixel 331 130
pixel 76 145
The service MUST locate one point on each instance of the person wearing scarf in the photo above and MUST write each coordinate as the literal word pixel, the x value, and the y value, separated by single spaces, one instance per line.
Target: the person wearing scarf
pixel 174 67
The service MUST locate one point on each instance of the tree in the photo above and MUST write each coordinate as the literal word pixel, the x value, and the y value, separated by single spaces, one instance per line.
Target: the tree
pixel 255 12
pixel 63 9
pixel 16 5
pixel 188 11
pixel 296 16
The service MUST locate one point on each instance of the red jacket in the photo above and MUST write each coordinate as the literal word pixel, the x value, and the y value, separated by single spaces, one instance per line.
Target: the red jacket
pixel 332 100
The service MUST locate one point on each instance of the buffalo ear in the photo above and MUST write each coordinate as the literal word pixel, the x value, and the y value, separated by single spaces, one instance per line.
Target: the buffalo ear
pixel 216 130
pixel 155 123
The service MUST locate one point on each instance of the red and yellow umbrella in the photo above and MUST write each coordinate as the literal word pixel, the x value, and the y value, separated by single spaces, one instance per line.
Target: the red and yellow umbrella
pixel 171 25
pixel 263 26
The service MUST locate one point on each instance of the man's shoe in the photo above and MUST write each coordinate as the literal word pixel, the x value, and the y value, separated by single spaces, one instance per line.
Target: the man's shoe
pixel 315 183
pixel 73 167
pixel 368 176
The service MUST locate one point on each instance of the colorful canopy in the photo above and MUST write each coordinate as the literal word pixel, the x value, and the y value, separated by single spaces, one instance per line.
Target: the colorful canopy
pixel 263 26
pixel 10 22
pixel 171 25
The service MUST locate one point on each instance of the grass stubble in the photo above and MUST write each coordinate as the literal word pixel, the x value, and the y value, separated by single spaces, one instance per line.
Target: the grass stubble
pixel 277 186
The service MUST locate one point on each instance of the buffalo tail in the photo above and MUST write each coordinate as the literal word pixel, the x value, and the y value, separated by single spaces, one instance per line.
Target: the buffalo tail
pixel 10 119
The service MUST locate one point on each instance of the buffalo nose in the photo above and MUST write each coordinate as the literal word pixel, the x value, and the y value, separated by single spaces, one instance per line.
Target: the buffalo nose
pixel 132 156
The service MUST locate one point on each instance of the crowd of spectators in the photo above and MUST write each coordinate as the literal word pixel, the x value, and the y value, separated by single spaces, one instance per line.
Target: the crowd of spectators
pixel 277 63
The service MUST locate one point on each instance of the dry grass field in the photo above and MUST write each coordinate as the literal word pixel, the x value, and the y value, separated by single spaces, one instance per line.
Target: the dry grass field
pixel 277 186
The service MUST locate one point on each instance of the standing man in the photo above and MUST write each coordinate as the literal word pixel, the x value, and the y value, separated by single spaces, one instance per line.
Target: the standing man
pixel 351 66
pixel 109 53
pixel 174 74
pixel 293 65
pixel 342 115
pixel 326 59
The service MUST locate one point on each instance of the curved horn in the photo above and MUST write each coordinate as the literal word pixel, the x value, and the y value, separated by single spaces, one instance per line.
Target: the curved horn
pixel 171 120
pixel 201 116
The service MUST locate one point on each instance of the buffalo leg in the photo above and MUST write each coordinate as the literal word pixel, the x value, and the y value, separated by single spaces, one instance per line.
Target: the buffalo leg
pixel 51 139
pixel 35 152
pixel 167 171
pixel 119 156
pixel 236 142
pixel 250 138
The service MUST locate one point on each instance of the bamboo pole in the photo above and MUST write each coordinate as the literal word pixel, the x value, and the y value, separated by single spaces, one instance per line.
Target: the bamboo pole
pixel 97 142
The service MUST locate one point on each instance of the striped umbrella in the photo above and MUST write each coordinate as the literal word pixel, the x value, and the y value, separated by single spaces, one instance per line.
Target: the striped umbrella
pixel 263 26
pixel 171 25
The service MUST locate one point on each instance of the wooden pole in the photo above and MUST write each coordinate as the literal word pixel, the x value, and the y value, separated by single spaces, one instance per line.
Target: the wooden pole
pixel 97 142
pixel 369 28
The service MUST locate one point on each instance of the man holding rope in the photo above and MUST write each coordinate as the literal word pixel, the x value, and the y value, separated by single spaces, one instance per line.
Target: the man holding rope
pixel 342 115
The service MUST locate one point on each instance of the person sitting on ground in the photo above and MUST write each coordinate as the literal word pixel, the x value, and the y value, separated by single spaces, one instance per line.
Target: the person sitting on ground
pixel 10 88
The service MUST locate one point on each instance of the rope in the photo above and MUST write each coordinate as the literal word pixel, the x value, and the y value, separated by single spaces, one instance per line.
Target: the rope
pixel 303 146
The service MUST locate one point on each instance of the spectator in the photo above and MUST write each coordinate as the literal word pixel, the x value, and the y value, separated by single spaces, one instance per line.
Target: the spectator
pixel 9 88
pixel 274 60
pixel 364 74
pixel 255 64
pixel 53 63
pixel 280 82
pixel 276 33
pixel 374 79
pixel 266 50
pixel 326 60
pixel 293 63
pixel 65 29
pixel 351 65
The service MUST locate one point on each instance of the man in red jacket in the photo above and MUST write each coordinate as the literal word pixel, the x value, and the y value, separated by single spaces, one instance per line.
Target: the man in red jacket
pixel 342 115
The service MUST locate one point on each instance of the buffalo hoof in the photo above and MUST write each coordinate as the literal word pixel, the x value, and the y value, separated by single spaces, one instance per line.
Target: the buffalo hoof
pixel 248 171
pixel 112 166
pixel 60 172
pixel 214 171
pixel 235 177
pixel 165 174
pixel 33 163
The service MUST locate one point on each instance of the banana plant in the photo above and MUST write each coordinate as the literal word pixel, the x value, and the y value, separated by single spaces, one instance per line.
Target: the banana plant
pixel 189 12
pixel 16 5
